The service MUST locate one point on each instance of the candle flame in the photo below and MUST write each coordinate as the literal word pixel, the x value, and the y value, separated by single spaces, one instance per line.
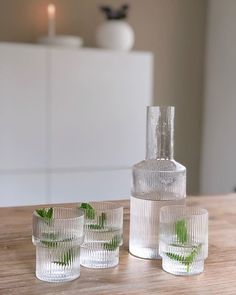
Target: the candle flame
pixel 51 9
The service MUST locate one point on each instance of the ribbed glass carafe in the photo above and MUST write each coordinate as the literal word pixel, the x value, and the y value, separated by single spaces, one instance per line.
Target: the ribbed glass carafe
pixel 157 181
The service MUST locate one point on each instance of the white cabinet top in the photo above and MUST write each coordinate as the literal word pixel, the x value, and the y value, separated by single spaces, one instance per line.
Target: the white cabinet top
pixel 80 50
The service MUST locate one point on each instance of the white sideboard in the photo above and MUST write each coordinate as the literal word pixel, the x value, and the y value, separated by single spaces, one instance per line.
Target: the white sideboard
pixel 72 122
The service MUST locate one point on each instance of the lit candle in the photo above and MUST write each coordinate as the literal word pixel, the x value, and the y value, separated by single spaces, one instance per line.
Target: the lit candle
pixel 51 20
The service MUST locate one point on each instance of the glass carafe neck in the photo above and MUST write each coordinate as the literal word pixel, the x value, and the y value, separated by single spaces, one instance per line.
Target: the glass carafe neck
pixel 160 132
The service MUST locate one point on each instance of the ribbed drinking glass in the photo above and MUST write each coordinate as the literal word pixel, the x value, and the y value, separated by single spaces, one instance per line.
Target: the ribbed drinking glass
pixel 183 239
pixel 103 234
pixel 57 234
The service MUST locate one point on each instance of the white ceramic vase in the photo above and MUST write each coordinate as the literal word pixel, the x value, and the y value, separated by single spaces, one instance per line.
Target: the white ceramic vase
pixel 116 35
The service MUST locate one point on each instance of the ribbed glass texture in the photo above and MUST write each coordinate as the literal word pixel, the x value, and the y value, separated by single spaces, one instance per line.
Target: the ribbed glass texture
pixel 157 181
pixel 160 132
pixel 57 242
pixel 103 236
pixel 183 239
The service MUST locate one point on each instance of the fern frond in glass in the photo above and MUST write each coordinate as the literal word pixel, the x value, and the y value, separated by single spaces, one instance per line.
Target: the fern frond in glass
pixel 183 239
pixel 103 234
pixel 57 235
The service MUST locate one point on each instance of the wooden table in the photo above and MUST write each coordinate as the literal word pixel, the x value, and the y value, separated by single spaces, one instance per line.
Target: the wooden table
pixel 133 275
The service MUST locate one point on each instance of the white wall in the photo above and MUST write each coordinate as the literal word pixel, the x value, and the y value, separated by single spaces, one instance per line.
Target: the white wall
pixel 218 173
pixel 174 30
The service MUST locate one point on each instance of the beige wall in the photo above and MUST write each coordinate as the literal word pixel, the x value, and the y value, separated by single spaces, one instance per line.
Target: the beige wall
pixel 219 141
pixel 173 29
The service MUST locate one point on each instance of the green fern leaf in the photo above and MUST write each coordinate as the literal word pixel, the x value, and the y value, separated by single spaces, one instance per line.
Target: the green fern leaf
pixel 66 259
pixel 89 210
pixel 113 245
pixel 45 213
pixel 186 260
pixel 181 231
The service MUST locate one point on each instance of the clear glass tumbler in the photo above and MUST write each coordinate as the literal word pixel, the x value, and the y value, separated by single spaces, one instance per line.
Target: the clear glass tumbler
pixel 103 234
pixel 57 234
pixel 183 242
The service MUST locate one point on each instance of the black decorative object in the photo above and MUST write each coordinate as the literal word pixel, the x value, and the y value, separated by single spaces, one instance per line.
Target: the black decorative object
pixel 115 14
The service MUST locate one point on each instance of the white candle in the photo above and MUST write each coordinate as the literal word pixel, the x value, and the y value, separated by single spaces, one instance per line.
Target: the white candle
pixel 51 20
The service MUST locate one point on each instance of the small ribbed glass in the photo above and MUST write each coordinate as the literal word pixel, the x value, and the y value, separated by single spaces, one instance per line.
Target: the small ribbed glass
pixel 183 242
pixel 103 235
pixel 57 240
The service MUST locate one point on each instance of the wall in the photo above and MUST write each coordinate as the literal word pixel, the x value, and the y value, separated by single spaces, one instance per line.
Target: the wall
pixel 172 29
pixel 219 140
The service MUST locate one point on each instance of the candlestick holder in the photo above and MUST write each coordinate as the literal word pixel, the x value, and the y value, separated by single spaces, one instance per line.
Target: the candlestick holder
pixel 61 41
pixel 58 40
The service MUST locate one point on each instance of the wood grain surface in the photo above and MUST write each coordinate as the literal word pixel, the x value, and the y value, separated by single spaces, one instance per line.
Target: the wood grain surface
pixel 132 275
